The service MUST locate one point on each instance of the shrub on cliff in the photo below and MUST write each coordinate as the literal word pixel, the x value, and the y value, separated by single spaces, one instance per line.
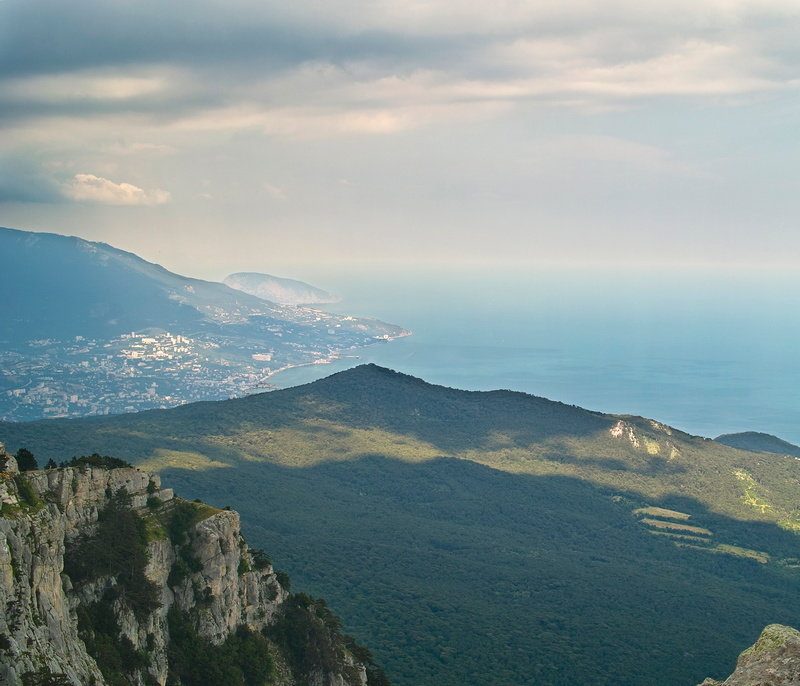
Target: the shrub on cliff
pixel 118 549
pixel 242 660
pixel 26 460
pixel 97 460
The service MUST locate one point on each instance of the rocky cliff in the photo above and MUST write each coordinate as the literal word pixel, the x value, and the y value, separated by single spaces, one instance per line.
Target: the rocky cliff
pixel 774 660
pixel 107 578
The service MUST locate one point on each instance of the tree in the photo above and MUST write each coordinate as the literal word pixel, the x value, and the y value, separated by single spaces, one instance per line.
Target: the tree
pixel 44 677
pixel 51 464
pixel 26 461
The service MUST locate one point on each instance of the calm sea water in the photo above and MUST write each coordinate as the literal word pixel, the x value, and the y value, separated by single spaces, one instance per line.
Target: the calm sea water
pixel 709 352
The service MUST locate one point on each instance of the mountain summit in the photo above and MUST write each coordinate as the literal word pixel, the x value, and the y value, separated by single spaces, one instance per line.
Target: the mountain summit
pixel 487 537
pixel 279 290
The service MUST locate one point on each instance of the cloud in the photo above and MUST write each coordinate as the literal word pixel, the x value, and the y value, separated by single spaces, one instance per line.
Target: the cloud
pixel 83 86
pixel 96 189
pixel 275 192
pixel 296 68
pixel 25 181
pixel 139 148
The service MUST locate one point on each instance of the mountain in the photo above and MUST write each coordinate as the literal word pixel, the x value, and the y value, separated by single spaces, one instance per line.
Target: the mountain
pixel 760 443
pixel 773 660
pixel 279 290
pixel 487 537
pixel 111 579
pixel 88 329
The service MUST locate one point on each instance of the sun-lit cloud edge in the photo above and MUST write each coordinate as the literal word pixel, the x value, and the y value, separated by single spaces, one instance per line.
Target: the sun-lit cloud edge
pixel 96 189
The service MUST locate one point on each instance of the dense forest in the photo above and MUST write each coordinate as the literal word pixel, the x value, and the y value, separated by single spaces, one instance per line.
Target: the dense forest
pixel 486 538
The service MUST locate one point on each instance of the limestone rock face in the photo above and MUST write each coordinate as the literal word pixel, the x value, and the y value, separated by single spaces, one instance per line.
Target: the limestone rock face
pixel 774 660
pixel 45 512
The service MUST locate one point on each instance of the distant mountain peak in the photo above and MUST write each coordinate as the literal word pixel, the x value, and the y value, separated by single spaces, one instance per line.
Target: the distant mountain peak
pixel 278 289
pixel 86 328
pixel 759 442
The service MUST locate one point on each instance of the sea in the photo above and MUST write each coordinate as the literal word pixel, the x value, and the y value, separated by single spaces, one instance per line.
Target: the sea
pixel 706 350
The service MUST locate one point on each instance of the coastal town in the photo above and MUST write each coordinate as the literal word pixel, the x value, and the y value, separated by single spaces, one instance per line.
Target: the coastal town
pixel 144 370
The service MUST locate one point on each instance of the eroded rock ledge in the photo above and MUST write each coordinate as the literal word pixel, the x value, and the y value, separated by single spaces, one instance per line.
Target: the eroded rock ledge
pixel 774 660
pixel 195 577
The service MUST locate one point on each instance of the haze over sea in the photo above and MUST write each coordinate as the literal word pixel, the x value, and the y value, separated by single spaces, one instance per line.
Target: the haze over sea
pixel 706 351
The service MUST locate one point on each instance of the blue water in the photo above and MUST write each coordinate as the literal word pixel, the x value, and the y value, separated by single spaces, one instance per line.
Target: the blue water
pixel 707 352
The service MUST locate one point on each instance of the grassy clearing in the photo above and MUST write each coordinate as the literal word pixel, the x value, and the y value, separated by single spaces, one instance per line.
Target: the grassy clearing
pixel 737 551
pixel 731 550
pixel 314 441
pixel 673 526
pixel 681 537
pixel 662 513
pixel 754 494
pixel 157 521
pixel 166 459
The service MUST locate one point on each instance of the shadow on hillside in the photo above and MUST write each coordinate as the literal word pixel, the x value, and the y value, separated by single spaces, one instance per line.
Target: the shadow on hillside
pixel 363 397
pixel 647 465
pixel 454 486
pixel 467 558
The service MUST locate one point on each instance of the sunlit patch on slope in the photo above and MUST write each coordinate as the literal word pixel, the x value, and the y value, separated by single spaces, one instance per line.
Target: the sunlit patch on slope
pixel 179 459
pixel 314 441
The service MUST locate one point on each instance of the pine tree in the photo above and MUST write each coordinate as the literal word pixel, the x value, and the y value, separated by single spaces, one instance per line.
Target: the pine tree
pixel 25 460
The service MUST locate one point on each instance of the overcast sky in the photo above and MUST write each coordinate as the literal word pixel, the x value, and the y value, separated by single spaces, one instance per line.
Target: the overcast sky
pixel 217 136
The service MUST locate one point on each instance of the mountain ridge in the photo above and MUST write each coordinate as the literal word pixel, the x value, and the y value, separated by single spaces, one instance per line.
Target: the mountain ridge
pixel 541 434
pixel 278 289
pixel 759 442
pixel 477 523
pixel 87 329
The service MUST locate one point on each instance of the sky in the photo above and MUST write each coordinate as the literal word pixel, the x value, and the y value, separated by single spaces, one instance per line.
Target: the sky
pixel 215 136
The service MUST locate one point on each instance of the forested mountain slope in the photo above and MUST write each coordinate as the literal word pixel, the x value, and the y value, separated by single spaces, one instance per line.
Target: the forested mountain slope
pixel 88 329
pixel 759 442
pixel 108 579
pixel 489 537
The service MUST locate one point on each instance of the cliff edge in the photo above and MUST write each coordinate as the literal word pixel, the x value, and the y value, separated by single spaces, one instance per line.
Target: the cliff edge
pixel 774 660
pixel 106 578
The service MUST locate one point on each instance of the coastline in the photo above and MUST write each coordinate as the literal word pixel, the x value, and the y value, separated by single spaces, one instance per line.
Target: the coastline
pixel 329 359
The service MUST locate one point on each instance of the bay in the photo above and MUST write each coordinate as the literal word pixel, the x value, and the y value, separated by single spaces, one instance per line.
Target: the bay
pixel 708 351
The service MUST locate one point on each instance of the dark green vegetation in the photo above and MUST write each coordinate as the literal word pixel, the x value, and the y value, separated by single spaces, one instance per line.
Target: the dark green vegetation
pixel 44 677
pixel 95 460
pixel 26 460
pixel 118 548
pixel 243 660
pixel 27 496
pixel 759 442
pixel 114 653
pixel 490 538
pixel 308 633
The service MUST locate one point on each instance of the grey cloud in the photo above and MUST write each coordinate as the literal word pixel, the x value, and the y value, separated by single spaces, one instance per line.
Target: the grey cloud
pixel 575 114
pixel 161 106
pixel 21 181
pixel 51 36
pixel 229 44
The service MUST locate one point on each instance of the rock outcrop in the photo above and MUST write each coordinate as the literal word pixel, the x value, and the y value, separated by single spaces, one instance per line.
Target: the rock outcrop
pixel 774 660
pixel 102 571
